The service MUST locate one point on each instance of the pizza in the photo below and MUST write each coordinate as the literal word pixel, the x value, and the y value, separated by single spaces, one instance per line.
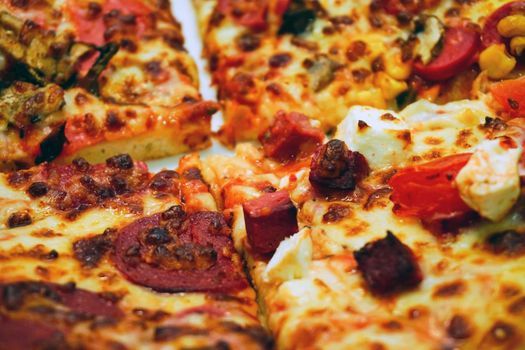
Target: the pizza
pixel 320 57
pixel 95 79
pixel 405 228
pixel 109 255
pixel 374 199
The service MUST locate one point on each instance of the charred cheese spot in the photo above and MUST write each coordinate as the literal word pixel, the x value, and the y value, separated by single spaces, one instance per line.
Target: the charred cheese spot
pixel 449 290
pixel 19 219
pixel 89 251
pixel 509 243
pixel 336 212
pixel 459 327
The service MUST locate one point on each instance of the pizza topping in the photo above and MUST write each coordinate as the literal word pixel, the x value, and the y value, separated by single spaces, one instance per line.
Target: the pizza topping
pixel 196 255
pixel 19 295
pixel 379 135
pixel 510 94
pixel 388 266
pixel 20 334
pixel 69 189
pixel 428 38
pixel 460 45
pixel 90 81
pixel 46 57
pixel 459 327
pixel 89 251
pixel 165 181
pixel 121 161
pixel 403 7
pixel 509 242
pixel 496 61
pixel 37 189
pixel 427 191
pixel 491 34
pixel 112 20
pixel 297 18
pixel 292 258
pixel 248 42
pixel 24 106
pixel 249 13
pixel 269 219
pixel 19 219
pixel 322 72
pixel 291 136
pixel 334 166
pixel 489 182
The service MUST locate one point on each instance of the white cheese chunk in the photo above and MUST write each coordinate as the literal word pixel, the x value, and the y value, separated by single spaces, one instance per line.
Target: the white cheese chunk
pixel 425 115
pixel 489 183
pixel 378 134
pixel 292 258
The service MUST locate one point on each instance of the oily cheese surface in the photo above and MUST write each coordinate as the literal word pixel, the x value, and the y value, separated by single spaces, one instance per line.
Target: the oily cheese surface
pixel 47 238
pixel 471 292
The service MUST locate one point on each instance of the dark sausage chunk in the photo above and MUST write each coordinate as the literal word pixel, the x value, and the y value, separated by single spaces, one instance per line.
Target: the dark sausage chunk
pixel 269 219
pixel 507 242
pixel 388 265
pixel 334 166
pixel 290 136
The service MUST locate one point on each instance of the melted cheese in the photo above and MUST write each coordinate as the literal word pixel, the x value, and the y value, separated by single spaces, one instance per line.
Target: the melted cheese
pixel 423 130
pixel 292 258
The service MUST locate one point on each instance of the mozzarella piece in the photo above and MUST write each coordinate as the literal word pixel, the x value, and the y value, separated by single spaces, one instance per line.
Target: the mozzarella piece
pixel 425 115
pixel 292 258
pixel 378 134
pixel 490 183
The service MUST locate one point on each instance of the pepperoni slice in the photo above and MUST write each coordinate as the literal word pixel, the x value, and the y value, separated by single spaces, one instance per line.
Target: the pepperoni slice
pixel 20 334
pixel 13 296
pixel 291 136
pixel 459 49
pixel 248 13
pixel 96 23
pixel 172 253
pixel 490 34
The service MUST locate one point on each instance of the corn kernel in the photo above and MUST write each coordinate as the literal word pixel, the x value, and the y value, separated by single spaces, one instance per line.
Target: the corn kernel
pixel 517 45
pixel 513 25
pixel 496 62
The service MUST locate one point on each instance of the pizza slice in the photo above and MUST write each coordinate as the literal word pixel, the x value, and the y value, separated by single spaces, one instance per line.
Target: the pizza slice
pixel 109 255
pixel 406 228
pixel 83 78
pixel 321 57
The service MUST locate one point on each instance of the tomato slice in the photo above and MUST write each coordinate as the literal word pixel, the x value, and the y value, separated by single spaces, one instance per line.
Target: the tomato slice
pixel 490 34
pixel 91 30
pixel 460 46
pixel 248 13
pixel 511 95
pixel 427 190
